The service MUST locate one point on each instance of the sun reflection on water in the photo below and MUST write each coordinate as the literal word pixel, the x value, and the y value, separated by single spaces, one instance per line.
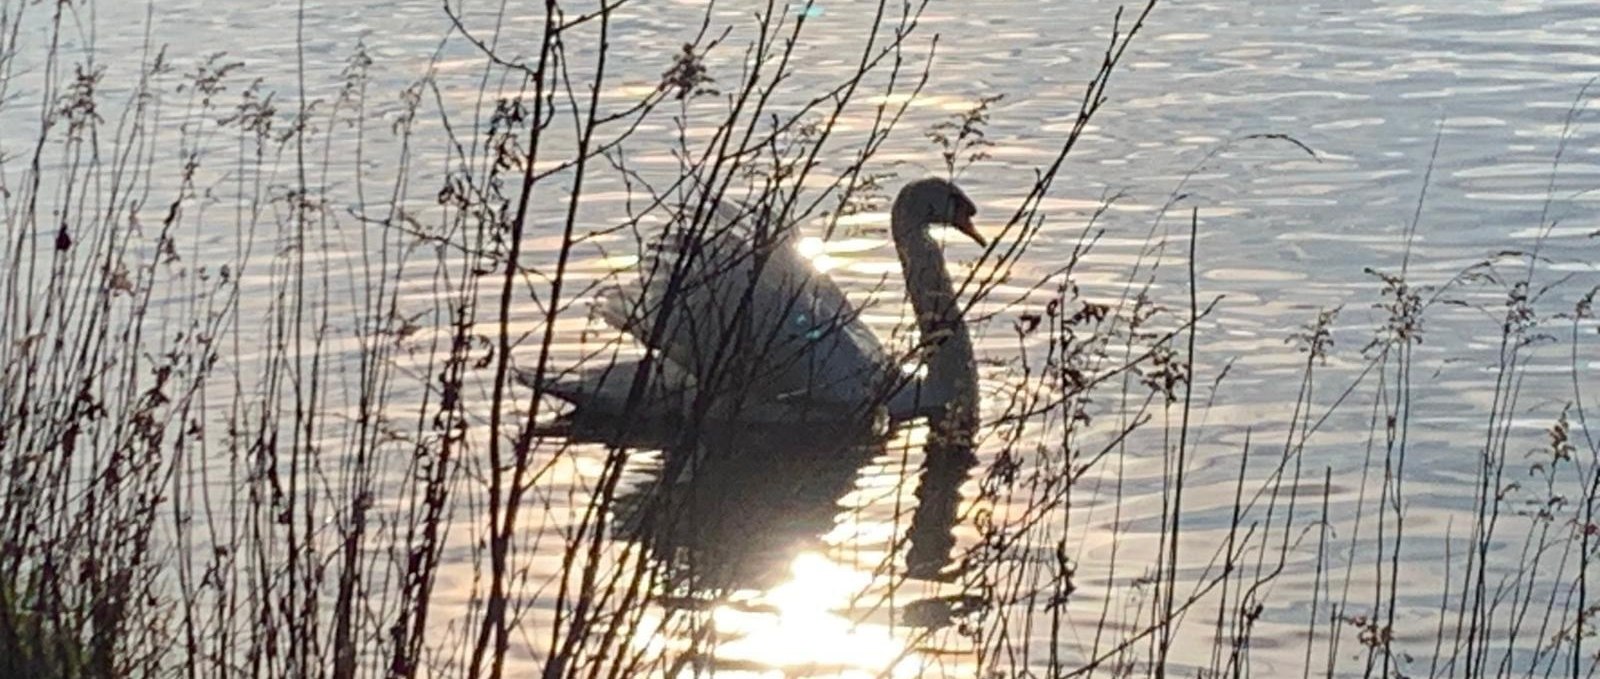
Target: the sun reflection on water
pixel 801 627
pixel 806 628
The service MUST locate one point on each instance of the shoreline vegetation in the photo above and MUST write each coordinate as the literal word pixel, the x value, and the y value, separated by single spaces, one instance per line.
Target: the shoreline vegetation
pixel 258 413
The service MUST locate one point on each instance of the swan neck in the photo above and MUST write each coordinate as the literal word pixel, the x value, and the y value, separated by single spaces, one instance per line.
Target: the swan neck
pixel 946 345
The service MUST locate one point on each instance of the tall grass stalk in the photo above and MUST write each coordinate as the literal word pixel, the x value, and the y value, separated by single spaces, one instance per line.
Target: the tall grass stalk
pixel 259 414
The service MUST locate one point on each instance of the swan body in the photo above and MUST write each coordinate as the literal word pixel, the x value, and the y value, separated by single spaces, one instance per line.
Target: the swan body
pixel 743 328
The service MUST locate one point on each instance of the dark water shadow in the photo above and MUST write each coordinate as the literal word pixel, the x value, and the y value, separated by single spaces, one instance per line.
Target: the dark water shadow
pixel 732 506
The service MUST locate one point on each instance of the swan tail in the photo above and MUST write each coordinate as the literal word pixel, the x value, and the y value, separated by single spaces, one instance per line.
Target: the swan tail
pixel 569 388
pixel 609 389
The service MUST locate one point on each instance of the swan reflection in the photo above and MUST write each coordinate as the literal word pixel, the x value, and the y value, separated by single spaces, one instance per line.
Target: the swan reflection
pixel 765 547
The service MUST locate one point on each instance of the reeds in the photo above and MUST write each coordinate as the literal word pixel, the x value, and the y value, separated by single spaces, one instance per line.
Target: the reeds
pixel 257 414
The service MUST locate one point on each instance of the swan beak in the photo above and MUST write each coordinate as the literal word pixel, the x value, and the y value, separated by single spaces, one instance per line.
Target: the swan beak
pixel 964 224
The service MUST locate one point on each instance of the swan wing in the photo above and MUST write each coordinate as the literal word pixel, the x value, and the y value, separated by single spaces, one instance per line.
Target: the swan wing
pixel 735 304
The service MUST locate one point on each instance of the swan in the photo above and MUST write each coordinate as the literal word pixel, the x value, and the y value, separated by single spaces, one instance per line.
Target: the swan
pixel 744 328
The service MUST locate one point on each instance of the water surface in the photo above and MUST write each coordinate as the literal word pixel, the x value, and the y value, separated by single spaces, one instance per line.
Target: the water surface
pixel 1478 96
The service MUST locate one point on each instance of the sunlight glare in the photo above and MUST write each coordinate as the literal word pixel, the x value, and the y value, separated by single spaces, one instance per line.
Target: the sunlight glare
pixel 805 631
pixel 815 249
pixel 810 247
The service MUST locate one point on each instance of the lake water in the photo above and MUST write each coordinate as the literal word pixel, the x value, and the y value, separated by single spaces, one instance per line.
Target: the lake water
pixel 808 559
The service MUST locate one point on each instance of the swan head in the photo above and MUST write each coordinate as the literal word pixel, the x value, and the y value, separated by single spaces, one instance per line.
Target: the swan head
pixel 938 201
